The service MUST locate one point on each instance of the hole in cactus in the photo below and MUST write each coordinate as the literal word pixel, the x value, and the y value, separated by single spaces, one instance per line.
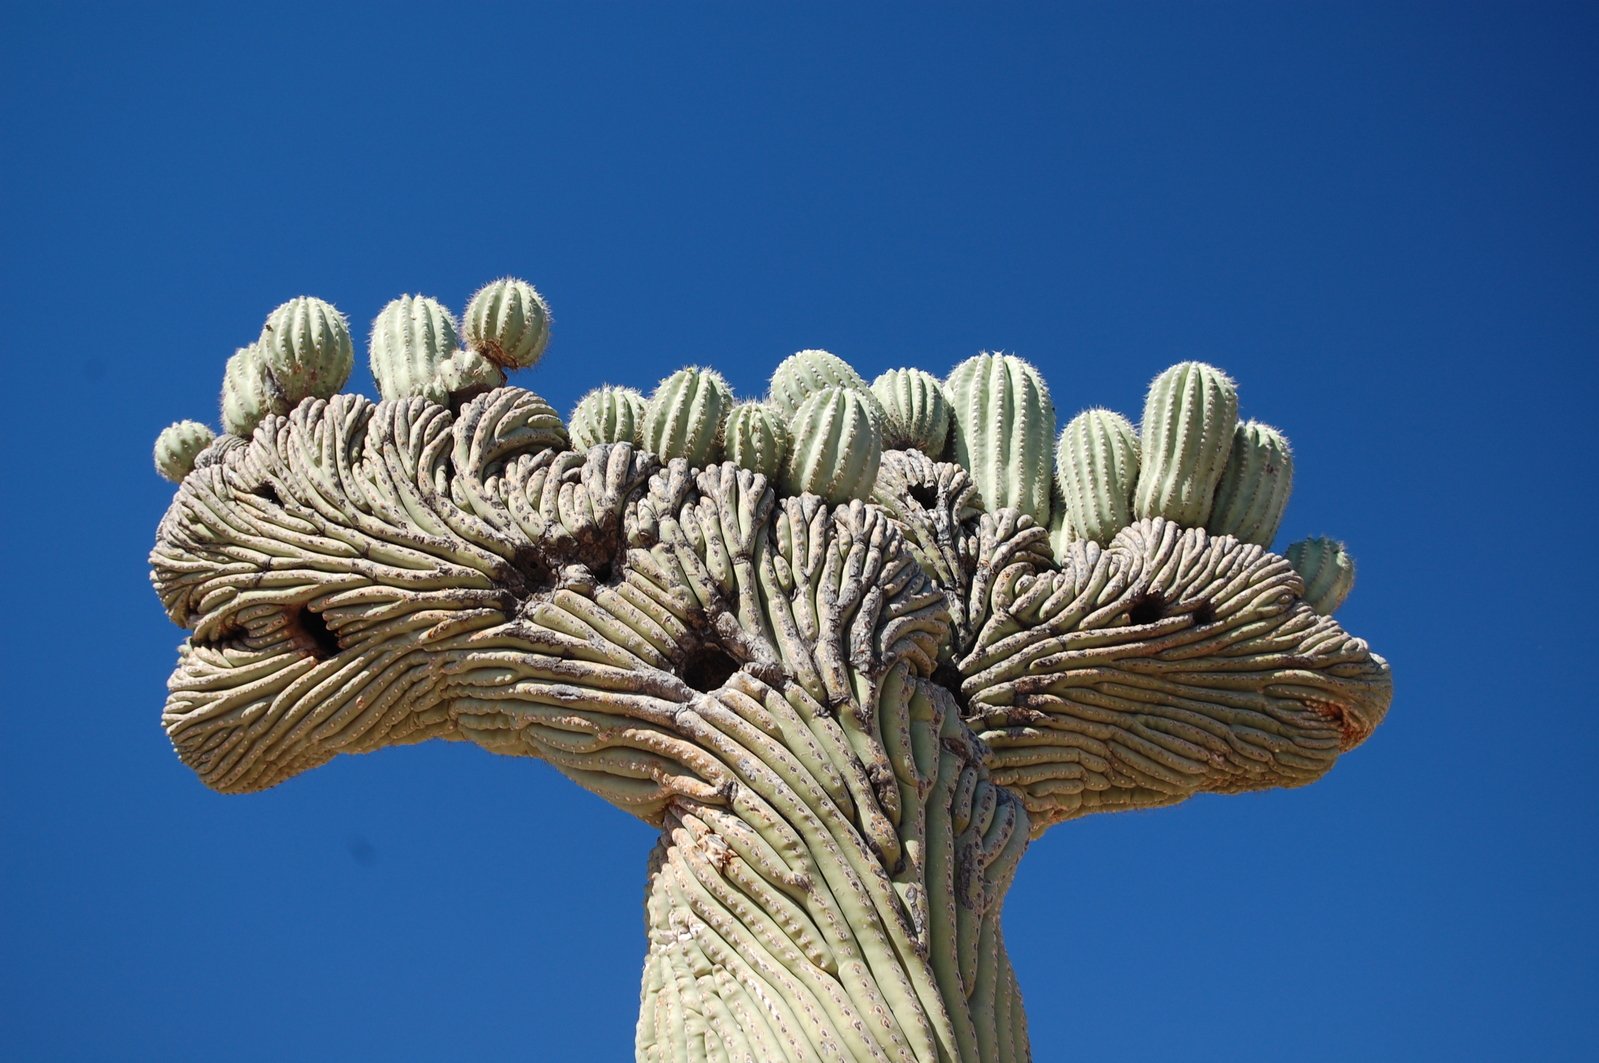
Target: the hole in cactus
pixel 947 676
pixel 708 667
pixel 311 633
pixel 1205 614
pixel 1147 608
pixel 924 496
pixel 267 491
pixel 602 571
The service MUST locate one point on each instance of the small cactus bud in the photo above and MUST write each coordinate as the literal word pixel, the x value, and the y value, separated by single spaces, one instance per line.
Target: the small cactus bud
pixel 1255 484
pixel 411 339
pixel 837 446
pixel 608 415
pixel 916 411
pixel 509 323
pixel 1328 572
pixel 801 375
pixel 757 439
pixel 1187 432
pixel 1004 426
pixel 684 418
pixel 465 374
pixel 1060 529
pixel 1096 466
pixel 178 445
pixel 249 393
pixel 305 345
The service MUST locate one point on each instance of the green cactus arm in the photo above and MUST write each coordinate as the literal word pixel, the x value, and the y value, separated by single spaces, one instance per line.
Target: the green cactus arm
pixel 845 719
pixel 1003 430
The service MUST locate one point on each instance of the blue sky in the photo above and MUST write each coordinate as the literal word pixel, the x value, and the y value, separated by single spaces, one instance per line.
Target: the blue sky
pixel 1379 218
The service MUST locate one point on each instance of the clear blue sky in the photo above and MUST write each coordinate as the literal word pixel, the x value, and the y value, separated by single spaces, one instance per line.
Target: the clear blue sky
pixel 1381 219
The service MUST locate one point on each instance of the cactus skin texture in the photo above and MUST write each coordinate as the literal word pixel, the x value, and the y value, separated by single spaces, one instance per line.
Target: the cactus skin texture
pixel 1190 416
pixel 757 439
pixel 1255 485
pixel 684 418
pixel 608 415
pixel 803 374
pixel 178 445
pixel 916 411
pixel 1096 466
pixel 466 374
pixel 305 346
pixel 1326 568
pixel 837 447
pixel 411 339
pixel 1004 428
pixel 248 393
pixel 509 323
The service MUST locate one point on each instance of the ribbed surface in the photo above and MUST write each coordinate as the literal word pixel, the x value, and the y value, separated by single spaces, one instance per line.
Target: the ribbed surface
pixel 1328 572
pixel 757 439
pixel 608 415
pixel 801 375
pixel 248 392
pixel 1004 430
pixel 1186 435
pixel 411 338
pixel 178 445
pixel 1096 466
pixel 1255 485
pixel 305 345
pixel 509 323
pixel 837 446
pixel 684 418
pixel 916 411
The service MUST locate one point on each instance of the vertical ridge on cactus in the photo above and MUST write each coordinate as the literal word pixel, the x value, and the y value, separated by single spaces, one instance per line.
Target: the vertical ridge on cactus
pixel 508 322
pixel 1255 484
pixel 1186 435
pixel 916 409
pixel 845 685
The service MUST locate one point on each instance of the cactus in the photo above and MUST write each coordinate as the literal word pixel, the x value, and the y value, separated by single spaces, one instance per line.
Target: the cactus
pixel 837 446
pixel 1096 465
pixel 916 411
pixel 608 415
pixel 1326 568
pixel 757 439
pixel 467 373
pixel 684 418
pixel 411 339
pixel 1187 433
pixel 1255 484
pixel 801 375
pixel 1004 426
pixel 305 346
pixel 509 323
pixel 249 393
pixel 178 445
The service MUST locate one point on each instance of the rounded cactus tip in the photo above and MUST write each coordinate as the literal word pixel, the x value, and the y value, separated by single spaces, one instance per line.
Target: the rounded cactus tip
pixel 915 411
pixel 178 445
pixel 1255 484
pixel 305 345
pixel 685 415
pixel 1003 431
pixel 1326 568
pixel 758 439
pixel 1190 417
pixel 1096 465
pixel 411 339
pixel 249 392
pixel 608 415
pixel 509 322
pixel 804 373
pixel 837 446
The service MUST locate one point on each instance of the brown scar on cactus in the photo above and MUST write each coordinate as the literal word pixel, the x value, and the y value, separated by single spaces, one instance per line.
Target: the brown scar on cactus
pixel 847 680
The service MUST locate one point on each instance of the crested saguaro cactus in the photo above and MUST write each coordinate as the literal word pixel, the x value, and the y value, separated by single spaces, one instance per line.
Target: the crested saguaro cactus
pixel 847 684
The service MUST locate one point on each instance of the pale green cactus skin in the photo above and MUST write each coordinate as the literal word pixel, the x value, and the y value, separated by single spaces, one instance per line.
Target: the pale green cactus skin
pixel 685 415
pixel 305 347
pixel 1096 466
pixel 468 373
pixel 248 392
pixel 412 338
pixel 608 415
pixel 803 374
pixel 1004 431
pixel 1255 485
pixel 509 323
pixel 758 439
pixel 846 697
pixel 916 411
pixel 178 445
pixel 1190 416
pixel 837 446
pixel 1326 568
